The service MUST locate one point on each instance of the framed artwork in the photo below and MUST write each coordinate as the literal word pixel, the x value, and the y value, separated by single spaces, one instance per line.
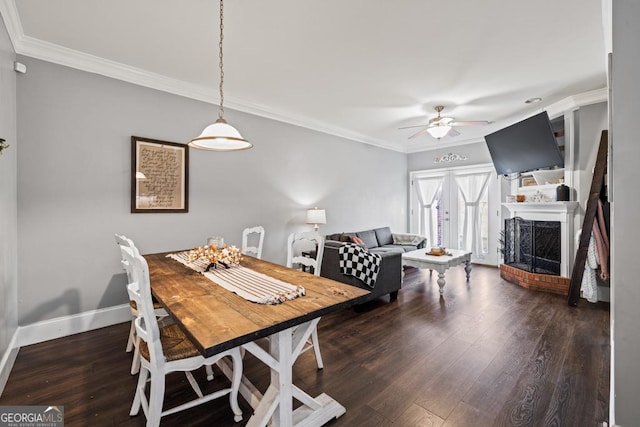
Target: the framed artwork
pixel 159 176
pixel 528 181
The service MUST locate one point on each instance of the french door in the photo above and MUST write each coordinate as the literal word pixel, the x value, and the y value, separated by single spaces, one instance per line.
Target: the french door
pixel 458 208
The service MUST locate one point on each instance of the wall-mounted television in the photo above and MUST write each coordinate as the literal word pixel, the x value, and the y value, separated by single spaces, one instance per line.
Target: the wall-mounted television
pixel 525 146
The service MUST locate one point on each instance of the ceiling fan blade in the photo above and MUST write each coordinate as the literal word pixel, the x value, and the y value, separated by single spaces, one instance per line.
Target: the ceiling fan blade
pixel 410 127
pixel 469 123
pixel 453 133
pixel 423 131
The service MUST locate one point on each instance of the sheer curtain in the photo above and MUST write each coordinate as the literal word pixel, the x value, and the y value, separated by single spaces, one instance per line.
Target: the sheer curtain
pixel 428 193
pixel 471 189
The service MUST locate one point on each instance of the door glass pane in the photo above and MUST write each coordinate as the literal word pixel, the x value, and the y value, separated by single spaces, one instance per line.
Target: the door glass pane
pixel 428 191
pixel 461 218
pixel 444 200
pixel 439 219
pixel 484 220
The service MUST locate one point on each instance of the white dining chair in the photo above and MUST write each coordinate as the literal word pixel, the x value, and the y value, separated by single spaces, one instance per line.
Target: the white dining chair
pixel 248 233
pixel 168 349
pixel 309 238
pixel 295 256
pixel 126 244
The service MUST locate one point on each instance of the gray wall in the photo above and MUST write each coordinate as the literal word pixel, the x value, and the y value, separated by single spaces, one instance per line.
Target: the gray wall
pixel 625 309
pixel 591 121
pixel 74 184
pixel 477 153
pixel 8 197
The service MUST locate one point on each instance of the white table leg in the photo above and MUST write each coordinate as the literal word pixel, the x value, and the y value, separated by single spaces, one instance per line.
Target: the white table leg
pixel 441 282
pixel 277 403
pixel 280 349
pixel 467 269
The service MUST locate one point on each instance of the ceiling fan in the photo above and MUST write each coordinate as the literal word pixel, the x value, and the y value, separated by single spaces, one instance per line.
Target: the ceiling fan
pixel 439 126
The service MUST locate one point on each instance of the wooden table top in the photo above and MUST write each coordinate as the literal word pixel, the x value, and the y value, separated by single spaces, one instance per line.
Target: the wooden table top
pixel 216 319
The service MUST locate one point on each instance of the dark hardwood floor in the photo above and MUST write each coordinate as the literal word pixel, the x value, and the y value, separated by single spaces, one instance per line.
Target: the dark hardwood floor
pixel 488 353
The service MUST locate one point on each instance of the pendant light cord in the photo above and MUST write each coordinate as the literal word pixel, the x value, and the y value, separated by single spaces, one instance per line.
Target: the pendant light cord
pixel 221 107
pixel 220 135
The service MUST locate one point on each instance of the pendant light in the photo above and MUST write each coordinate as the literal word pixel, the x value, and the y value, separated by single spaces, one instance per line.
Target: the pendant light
pixel 220 136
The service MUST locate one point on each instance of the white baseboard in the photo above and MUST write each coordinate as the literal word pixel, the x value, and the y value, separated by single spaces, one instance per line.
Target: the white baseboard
pixel 8 358
pixel 74 324
pixel 57 328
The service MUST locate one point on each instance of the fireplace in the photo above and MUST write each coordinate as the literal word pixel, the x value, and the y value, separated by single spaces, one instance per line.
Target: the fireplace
pixel 533 246
pixel 543 258
pixel 551 211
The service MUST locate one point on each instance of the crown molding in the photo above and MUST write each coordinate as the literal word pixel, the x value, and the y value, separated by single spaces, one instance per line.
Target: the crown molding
pixel 11 19
pixel 60 55
pixel 592 97
pixel 556 109
pixel 574 102
pixel 38 49
pixel 50 52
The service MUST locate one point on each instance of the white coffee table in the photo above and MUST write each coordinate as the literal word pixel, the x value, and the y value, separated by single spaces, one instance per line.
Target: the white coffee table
pixel 420 259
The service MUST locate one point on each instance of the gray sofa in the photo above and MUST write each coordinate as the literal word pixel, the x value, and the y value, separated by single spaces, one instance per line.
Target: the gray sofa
pixel 379 241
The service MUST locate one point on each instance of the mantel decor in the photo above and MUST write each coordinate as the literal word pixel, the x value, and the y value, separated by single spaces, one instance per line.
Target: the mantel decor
pixel 159 176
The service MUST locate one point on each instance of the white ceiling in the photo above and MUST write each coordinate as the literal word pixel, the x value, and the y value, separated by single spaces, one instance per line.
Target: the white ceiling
pixel 354 68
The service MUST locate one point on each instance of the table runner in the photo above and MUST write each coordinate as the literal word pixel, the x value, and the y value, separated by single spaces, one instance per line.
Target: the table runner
pixel 199 265
pixel 249 284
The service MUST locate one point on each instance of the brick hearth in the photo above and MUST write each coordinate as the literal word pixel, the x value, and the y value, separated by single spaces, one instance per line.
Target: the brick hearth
pixel 535 281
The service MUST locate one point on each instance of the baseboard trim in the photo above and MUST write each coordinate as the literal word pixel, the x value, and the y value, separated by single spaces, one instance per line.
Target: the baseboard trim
pixel 74 324
pixel 58 328
pixel 7 361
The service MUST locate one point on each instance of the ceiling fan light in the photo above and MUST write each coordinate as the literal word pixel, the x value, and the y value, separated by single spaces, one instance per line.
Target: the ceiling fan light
pixel 439 131
pixel 220 136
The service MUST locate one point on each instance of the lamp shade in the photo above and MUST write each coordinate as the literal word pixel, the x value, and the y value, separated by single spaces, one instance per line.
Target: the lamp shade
pixel 439 131
pixel 316 216
pixel 220 136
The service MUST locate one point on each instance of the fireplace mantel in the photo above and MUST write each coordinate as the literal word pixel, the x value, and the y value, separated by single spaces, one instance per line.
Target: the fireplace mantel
pixel 561 209
pixel 562 212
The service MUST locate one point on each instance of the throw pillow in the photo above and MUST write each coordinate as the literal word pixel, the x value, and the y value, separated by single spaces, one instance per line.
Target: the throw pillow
pixel 369 238
pixel 384 236
pixel 358 241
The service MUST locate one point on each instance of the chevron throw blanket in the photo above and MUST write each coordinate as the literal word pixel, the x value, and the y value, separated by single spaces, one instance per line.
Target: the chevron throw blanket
pixel 358 262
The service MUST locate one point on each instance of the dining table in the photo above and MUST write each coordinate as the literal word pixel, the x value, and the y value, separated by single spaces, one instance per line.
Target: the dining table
pixel 216 319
